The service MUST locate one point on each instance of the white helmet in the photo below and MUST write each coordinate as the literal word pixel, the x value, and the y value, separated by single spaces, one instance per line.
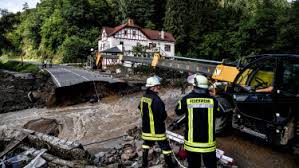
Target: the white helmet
pixel 152 81
pixel 190 79
pixel 200 81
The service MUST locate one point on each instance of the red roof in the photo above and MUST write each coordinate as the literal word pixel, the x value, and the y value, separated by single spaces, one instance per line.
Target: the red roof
pixel 108 30
pixel 156 35
pixel 150 34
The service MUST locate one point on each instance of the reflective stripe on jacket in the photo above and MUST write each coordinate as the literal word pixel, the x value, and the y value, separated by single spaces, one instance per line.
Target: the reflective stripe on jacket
pixel 153 114
pixel 200 109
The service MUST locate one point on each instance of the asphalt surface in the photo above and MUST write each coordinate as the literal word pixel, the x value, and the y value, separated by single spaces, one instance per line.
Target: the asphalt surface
pixel 67 76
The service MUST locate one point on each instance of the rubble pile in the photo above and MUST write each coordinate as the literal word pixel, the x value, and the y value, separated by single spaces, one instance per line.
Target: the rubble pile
pixel 129 153
pixel 23 146
pixel 27 148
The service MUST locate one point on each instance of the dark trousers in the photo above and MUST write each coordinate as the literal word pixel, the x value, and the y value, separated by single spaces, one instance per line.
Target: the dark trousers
pixel 194 159
pixel 164 145
pixel 166 150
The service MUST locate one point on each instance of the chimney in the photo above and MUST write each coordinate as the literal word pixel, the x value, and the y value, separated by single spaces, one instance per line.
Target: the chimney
pixel 162 34
pixel 130 22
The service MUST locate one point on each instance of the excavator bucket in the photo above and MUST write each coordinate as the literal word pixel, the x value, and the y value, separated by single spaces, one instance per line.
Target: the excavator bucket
pixel 225 73
pixel 98 59
pixel 155 60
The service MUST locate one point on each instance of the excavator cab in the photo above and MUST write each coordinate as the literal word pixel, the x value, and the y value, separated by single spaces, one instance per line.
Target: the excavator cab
pixel 270 114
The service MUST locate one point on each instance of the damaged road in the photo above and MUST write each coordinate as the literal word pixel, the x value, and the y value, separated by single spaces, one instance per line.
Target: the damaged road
pixel 67 76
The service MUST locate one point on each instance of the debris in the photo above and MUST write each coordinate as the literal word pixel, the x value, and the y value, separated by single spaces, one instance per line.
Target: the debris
pixel 59 152
pixel 219 153
pixel 37 161
pixel 128 153
pixel 56 160
pixel 13 144
pixel 15 161
pixel 62 148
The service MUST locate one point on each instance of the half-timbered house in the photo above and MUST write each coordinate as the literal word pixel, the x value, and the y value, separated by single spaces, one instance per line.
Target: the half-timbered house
pixel 128 35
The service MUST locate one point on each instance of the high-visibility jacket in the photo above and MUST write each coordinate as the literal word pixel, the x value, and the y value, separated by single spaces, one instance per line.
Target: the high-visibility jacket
pixel 153 115
pixel 200 110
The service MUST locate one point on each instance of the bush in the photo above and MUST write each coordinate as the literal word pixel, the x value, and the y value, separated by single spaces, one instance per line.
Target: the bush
pixel 17 66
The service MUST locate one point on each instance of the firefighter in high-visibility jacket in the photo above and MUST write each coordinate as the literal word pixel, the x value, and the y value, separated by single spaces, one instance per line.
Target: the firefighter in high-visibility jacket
pixel 200 109
pixel 154 115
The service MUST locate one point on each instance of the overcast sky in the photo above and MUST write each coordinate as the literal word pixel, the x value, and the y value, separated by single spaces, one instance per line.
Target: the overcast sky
pixel 16 5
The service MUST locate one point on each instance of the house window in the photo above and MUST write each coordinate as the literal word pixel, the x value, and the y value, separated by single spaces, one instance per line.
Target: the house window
pixel 134 33
pixel 152 45
pixel 121 43
pixel 126 32
pixel 167 47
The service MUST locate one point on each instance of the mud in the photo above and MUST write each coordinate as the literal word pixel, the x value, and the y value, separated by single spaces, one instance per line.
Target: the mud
pixel 254 153
pixel 88 122
pixel 15 87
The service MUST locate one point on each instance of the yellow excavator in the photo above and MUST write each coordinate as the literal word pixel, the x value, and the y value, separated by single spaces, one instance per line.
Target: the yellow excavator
pixel 262 94
pixel 260 98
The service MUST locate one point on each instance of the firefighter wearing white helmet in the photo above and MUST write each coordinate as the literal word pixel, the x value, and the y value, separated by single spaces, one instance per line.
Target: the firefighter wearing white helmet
pixel 153 116
pixel 153 81
pixel 200 110
pixel 198 80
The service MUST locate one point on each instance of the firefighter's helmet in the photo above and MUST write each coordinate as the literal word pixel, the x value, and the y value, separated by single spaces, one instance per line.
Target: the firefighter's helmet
pixel 153 81
pixel 200 81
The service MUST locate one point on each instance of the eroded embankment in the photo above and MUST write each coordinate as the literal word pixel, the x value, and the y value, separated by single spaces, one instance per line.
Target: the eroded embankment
pixel 89 91
pixel 20 91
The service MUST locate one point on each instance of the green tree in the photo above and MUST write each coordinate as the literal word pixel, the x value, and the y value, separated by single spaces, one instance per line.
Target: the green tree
pixel 3 12
pixel 100 13
pixel 74 49
pixel 8 22
pixel 176 21
pixel 53 32
pixel 203 16
pixel 258 33
pixel 288 36
pixel 25 6
pixel 142 11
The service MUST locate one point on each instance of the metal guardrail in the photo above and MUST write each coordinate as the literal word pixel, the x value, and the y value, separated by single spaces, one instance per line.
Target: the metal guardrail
pixel 206 67
pixel 194 59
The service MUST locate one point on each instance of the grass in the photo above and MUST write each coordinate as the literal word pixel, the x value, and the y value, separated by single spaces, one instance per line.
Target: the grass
pixel 17 66
pixel 18 58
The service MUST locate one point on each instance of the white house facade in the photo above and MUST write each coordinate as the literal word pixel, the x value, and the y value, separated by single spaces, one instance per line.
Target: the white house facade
pixel 129 35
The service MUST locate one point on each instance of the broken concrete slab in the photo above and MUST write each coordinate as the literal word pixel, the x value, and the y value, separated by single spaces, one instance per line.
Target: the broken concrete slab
pixel 44 125
pixel 65 149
